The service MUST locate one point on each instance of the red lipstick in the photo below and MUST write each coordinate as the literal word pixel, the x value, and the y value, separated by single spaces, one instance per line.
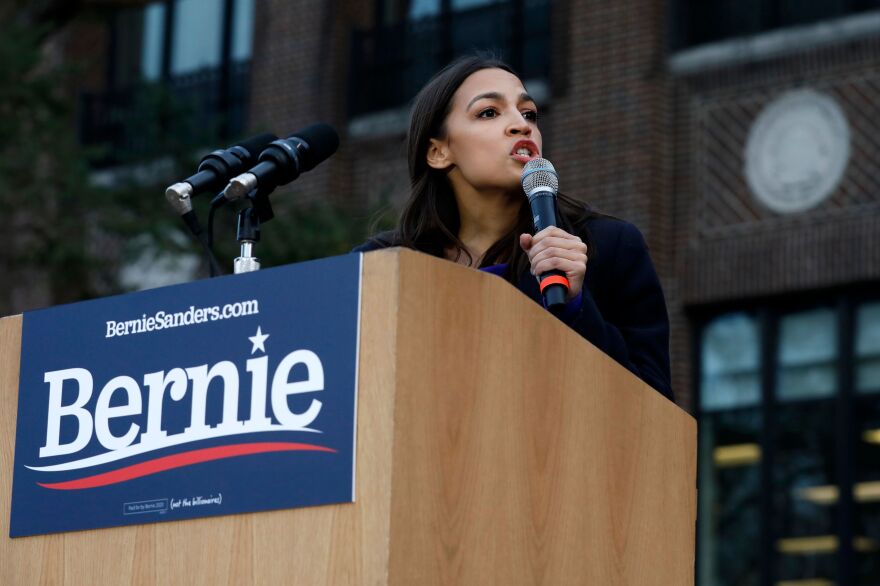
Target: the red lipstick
pixel 527 144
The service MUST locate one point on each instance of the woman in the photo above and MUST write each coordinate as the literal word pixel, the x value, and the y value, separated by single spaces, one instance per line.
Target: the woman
pixel 472 130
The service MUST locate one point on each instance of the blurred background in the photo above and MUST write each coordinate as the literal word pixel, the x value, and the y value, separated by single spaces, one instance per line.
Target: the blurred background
pixel 741 136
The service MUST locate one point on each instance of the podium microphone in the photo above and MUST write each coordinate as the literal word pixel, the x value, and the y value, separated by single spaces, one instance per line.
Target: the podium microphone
pixel 284 160
pixel 540 182
pixel 215 169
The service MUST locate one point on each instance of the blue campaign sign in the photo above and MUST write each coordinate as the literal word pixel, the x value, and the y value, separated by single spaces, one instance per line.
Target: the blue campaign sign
pixel 231 395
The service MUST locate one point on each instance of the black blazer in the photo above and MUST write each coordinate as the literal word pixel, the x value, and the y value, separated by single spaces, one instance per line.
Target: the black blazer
pixel 623 311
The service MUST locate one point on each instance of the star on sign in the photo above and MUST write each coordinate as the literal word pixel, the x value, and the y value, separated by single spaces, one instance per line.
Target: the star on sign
pixel 258 340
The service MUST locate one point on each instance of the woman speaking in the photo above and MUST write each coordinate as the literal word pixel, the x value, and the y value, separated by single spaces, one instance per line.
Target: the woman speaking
pixel 473 129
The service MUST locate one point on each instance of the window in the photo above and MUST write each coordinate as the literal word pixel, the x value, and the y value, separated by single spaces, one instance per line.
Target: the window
pixel 197 37
pixel 419 9
pixel 703 21
pixel 803 443
pixel 171 61
pixel 414 40
pixel 242 30
pixel 154 31
pixel 730 450
pixel 866 492
pixel 730 363
pixel 789 453
pixel 868 348
pixel 807 355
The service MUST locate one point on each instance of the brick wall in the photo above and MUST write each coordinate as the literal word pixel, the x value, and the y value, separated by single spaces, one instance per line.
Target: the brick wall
pixel 299 76
pixel 730 248
pixel 738 248
pixel 629 137
pixel 606 128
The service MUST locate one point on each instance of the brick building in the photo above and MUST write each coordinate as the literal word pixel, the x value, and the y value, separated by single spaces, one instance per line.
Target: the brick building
pixel 740 137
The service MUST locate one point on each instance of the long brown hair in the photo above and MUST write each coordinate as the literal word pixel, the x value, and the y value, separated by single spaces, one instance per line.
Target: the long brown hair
pixel 429 221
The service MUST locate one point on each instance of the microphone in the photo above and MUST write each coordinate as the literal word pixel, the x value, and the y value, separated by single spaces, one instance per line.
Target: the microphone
pixel 215 169
pixel 540 182
pixel 284 160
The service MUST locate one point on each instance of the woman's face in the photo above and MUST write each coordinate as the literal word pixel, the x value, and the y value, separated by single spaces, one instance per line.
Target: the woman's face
pixel 491 133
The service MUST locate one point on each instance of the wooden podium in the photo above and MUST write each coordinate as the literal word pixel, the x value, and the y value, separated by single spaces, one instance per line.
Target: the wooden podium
pixel 495 446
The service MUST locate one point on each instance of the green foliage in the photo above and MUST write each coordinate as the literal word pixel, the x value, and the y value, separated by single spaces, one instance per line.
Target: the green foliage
pixel 159 147
pixel 304 231
pixel 74 236
pixel 43 175
pixel 67 236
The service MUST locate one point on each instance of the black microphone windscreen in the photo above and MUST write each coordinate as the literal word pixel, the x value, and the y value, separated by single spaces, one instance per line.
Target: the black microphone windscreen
pixel 255 145
pixel 322 142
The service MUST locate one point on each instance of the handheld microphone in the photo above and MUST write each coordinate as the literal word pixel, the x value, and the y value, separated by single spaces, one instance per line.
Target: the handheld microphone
pixel 284 160
pixel 215 169
pixel 540 182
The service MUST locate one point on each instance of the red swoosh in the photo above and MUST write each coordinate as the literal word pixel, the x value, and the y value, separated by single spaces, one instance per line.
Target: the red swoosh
pixel 180 460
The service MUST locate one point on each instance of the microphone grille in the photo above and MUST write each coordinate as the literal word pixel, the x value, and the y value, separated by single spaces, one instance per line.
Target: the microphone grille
pixel 539 173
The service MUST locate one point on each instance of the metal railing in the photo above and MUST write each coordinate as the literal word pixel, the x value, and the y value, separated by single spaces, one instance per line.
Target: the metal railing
pixel 143 121
pixel 390 64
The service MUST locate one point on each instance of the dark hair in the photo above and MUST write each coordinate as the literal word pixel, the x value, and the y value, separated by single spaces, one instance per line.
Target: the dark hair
pixel 430 219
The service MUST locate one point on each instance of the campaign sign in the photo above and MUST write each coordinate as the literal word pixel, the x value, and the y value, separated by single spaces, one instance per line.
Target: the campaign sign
pixel 222 396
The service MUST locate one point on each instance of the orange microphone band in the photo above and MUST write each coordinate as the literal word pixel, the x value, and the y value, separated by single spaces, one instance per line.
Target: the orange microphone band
pixel 554 280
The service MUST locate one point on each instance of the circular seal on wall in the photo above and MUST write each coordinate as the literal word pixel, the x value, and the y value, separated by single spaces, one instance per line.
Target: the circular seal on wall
pixel 797 151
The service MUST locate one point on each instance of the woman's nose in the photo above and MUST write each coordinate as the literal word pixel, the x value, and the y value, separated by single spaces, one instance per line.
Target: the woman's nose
pixel 520 126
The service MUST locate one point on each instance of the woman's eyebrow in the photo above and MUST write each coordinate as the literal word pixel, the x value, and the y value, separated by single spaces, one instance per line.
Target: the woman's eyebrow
pixel 523 97
pixel 487 95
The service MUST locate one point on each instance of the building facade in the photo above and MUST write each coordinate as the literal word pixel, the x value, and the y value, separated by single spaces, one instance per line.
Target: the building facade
pixel 741 137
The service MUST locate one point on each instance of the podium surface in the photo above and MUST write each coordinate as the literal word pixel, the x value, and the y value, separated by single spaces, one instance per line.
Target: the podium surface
pixel 495 446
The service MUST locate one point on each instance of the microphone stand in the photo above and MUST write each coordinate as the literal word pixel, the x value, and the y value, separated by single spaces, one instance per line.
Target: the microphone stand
pixel 248 234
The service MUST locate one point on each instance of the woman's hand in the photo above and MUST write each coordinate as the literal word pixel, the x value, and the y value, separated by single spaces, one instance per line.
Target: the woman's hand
pixel 554 248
